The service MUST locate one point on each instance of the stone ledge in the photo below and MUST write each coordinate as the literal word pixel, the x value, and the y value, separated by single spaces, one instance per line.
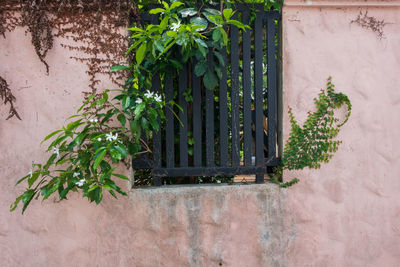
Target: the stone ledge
pixel 207 188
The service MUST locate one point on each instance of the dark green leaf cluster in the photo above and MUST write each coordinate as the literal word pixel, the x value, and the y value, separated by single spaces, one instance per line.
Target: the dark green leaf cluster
pixel 314 143
pixel 83 154
pixel 184 34
pixel 269 4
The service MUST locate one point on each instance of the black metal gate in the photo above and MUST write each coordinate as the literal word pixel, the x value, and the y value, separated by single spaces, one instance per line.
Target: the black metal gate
pixel 233 129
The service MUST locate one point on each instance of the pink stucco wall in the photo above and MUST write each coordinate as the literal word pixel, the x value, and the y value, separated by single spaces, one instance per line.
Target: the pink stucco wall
pixel 348 212
pixel 345 214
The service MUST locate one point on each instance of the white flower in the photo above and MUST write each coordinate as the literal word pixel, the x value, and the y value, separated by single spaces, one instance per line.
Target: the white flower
pixel 56 151
pixel 139 100
pixel 149 94
pixel 157 98
pixel 93 120
pixel 175 26
pixel 99 139
pixel 81 182
pixel 30 173
pixel 76 174
pixel 110 137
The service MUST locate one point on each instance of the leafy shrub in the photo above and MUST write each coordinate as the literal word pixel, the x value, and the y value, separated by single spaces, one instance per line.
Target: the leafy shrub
pixel 314 143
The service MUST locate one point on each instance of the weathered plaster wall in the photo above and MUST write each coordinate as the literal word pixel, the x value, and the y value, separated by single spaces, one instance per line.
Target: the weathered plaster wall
pixel 191 226
pixel 347 213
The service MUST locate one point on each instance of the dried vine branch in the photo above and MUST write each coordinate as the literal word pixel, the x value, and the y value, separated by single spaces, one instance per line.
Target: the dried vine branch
pixel 7 96
pixel 369 22
pixel 8 20
pixel 94 26
pixel 39 25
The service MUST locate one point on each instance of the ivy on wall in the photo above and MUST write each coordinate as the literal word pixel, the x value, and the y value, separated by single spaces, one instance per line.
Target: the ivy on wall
pixel 8 98
pixel 93 25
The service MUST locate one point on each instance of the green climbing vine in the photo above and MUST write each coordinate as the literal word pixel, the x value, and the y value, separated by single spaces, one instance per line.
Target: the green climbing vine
pixel 314 143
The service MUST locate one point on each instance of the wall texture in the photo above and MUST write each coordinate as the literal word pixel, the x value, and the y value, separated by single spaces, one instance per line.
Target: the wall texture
pixel 346 214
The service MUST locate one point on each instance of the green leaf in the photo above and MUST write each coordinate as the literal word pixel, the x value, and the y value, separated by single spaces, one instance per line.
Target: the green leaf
pixel 73 125
pixel 115 154
pixel 210 80
pixel 158 45
pixel 215 19
pixel 154 124
pixel 237 24
pixel 175 4
pixel 165 4
pixel 133 148
pixel 105 95
pixel 32 180
pixel 26 198
pixel 122 150
pixel 119 67
pixel 46 192
pixel 218 71
pixel 201 42
pixel 97 195
pixel 135 29
pixel 217 35
pixel 135 127
pixel 176 64
pixel 115 187
pixel 73 116
pixel 110 191
pixel 65 191
pixel 86 102
pixel 100 102
pixel 224 36
pixel 139 109
pixel 203 51
pixel 59 139
pixel 213 11
pixel 188 12
pixel 164 23
pixel 156 11
pixel 200 68
pixel 93 188
pixel 79 139
pixel 14 205
pixel 122 119
pixel 171 34
pixel 99 158
pixel 22 179
pixel 228 13
pixel 133 46
pixel 121 176
pixel 140 53
pixel 51 135
pixel 200 22
pixel 220 58
pixel 126 101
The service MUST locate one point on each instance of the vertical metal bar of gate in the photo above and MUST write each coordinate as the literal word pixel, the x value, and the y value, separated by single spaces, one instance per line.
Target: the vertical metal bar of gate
pixel 272 86
pixel 258 94
pixel 247 137
pixel 233 125
pixel 235 94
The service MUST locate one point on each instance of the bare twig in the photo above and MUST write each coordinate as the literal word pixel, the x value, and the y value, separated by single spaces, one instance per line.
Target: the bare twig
pixel 7 96
pixel 372 23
